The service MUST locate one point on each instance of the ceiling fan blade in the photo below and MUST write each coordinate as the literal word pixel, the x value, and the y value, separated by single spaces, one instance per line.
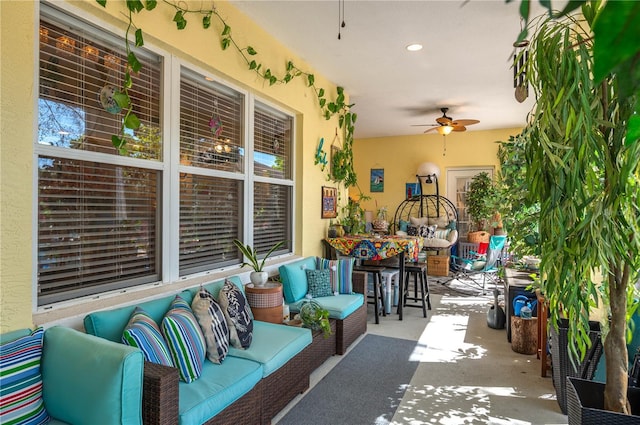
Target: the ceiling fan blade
pixel 465 122
pixel 459 128
pixel 431 129
pixel 424 125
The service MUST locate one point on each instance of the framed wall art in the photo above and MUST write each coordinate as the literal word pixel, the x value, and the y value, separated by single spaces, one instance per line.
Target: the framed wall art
pixel 329 202
pixel 377 180
pixel 411 190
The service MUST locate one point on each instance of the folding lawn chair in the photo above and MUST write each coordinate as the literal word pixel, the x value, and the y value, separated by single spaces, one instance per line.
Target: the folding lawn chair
pixel 470 264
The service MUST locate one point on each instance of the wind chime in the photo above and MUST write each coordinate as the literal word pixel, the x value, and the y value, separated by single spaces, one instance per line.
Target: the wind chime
pixel 341 23
pixel 520 58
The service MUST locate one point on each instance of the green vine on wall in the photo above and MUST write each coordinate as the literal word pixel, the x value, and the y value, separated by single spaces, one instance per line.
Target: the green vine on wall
pixel 346 118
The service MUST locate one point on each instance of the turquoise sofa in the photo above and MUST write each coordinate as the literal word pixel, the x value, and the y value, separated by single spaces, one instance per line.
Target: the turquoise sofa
pixel 250 386
pixel 348 310
pixel 88 380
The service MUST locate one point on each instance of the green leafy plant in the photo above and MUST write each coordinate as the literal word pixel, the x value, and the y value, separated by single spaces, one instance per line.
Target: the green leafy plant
pixel 353 217
pixel 481 200
pixel 583 167
pixel 315 317
pixel 252 254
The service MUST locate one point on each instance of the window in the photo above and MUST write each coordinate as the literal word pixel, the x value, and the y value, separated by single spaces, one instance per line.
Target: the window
pixel 98 219
pixel 211 202
pixel 227 174
pixel 273 186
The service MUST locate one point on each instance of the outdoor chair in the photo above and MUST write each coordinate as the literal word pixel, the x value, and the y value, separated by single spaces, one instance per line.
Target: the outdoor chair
pixel 470 266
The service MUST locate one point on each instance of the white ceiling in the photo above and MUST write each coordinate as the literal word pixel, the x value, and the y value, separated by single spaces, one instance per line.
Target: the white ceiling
pixel 465 64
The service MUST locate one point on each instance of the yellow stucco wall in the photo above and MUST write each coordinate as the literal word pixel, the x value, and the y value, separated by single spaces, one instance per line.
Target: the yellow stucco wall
pixel 400 157
pixel 18 92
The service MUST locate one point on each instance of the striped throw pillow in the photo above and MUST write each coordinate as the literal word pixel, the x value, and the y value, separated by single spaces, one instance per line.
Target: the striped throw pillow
pixel 21 391
pixel 184 339
pixel 341 273
pixel 213 325
pixel 237 311
pixel 143 332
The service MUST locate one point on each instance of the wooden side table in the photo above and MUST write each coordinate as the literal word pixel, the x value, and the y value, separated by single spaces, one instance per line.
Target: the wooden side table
pixel 265 301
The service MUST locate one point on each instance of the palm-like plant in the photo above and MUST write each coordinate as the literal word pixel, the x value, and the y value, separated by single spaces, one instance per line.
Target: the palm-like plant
pixel 251 254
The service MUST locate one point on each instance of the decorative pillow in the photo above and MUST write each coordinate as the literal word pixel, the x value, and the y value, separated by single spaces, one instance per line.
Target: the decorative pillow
pixel 213 325
pixel 441 221
pixel 185 340
pixel 452 225
pixel 412 231
pixel 419 221
pixel 143 332
pixel 428 232
pixel 319 282
pixel 21 397
pixel 403 225
pixel 441 233
pixel 341 273
pixel 238 314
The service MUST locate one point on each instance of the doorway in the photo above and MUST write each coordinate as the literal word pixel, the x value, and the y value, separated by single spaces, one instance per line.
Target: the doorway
pixel 458 181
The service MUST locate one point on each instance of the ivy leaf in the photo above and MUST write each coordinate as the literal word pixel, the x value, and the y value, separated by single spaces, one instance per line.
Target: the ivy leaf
pixel 178 18
pixel 131 121
pixel 251 51
pixel 253 65
pixel 122 99
pixel 135 5
pixel 206 21
pixel 133 62
pixel 102 3
pixel 288 77
pixel 225 42
pixel 310 80
pixel 323 102
pixel 116 141
pixel 151 4
pixel 332 107
pixel 290 66
pixel 226 30
pixel 321 92
pixel 139 39
pixel 272 80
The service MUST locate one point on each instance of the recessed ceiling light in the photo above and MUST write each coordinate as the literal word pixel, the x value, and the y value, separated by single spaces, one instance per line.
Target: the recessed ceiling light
pixel 208 78
pixel 414 47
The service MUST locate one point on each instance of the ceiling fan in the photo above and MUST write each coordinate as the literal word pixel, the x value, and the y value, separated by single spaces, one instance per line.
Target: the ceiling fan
pixel 446 125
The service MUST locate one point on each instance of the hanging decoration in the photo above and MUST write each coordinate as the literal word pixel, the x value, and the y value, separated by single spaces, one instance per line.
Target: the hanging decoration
pixel 341 23
pixel 520 57
pixel 321 155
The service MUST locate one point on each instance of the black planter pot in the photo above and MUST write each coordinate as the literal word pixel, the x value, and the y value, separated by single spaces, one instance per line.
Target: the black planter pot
pixel 561 365
pixel 585 404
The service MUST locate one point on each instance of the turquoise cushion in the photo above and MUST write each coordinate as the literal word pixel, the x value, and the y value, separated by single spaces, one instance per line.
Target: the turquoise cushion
pixel 274 345
pixel 294 278
pixel 218 387
pixel 142 332
pixel 339 306
pixel 89 380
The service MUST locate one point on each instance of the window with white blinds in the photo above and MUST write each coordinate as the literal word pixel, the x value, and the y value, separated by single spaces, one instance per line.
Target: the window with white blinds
pixel 273 188
pixel 211 140
pixel 97 227
pixel 98 216
pixel 79 74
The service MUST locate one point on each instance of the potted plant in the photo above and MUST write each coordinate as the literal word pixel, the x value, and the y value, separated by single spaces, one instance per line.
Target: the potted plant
pixel 353 217
pixel 583 167
pixel 258 276
pixel 481 203
pixel 315 317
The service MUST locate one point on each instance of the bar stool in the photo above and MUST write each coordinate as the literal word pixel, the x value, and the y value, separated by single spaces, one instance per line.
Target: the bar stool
pixel 378 296
pixel 421 284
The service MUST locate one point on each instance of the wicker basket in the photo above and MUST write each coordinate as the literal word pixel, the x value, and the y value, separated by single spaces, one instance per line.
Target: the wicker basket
pixel 438 265
pixel 478 237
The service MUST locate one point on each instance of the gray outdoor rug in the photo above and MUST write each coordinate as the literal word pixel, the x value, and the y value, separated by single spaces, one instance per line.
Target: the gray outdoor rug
pixel 364 388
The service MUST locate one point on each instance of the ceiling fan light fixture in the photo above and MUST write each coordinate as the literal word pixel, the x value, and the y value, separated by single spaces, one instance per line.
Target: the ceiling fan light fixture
pixel 445 129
